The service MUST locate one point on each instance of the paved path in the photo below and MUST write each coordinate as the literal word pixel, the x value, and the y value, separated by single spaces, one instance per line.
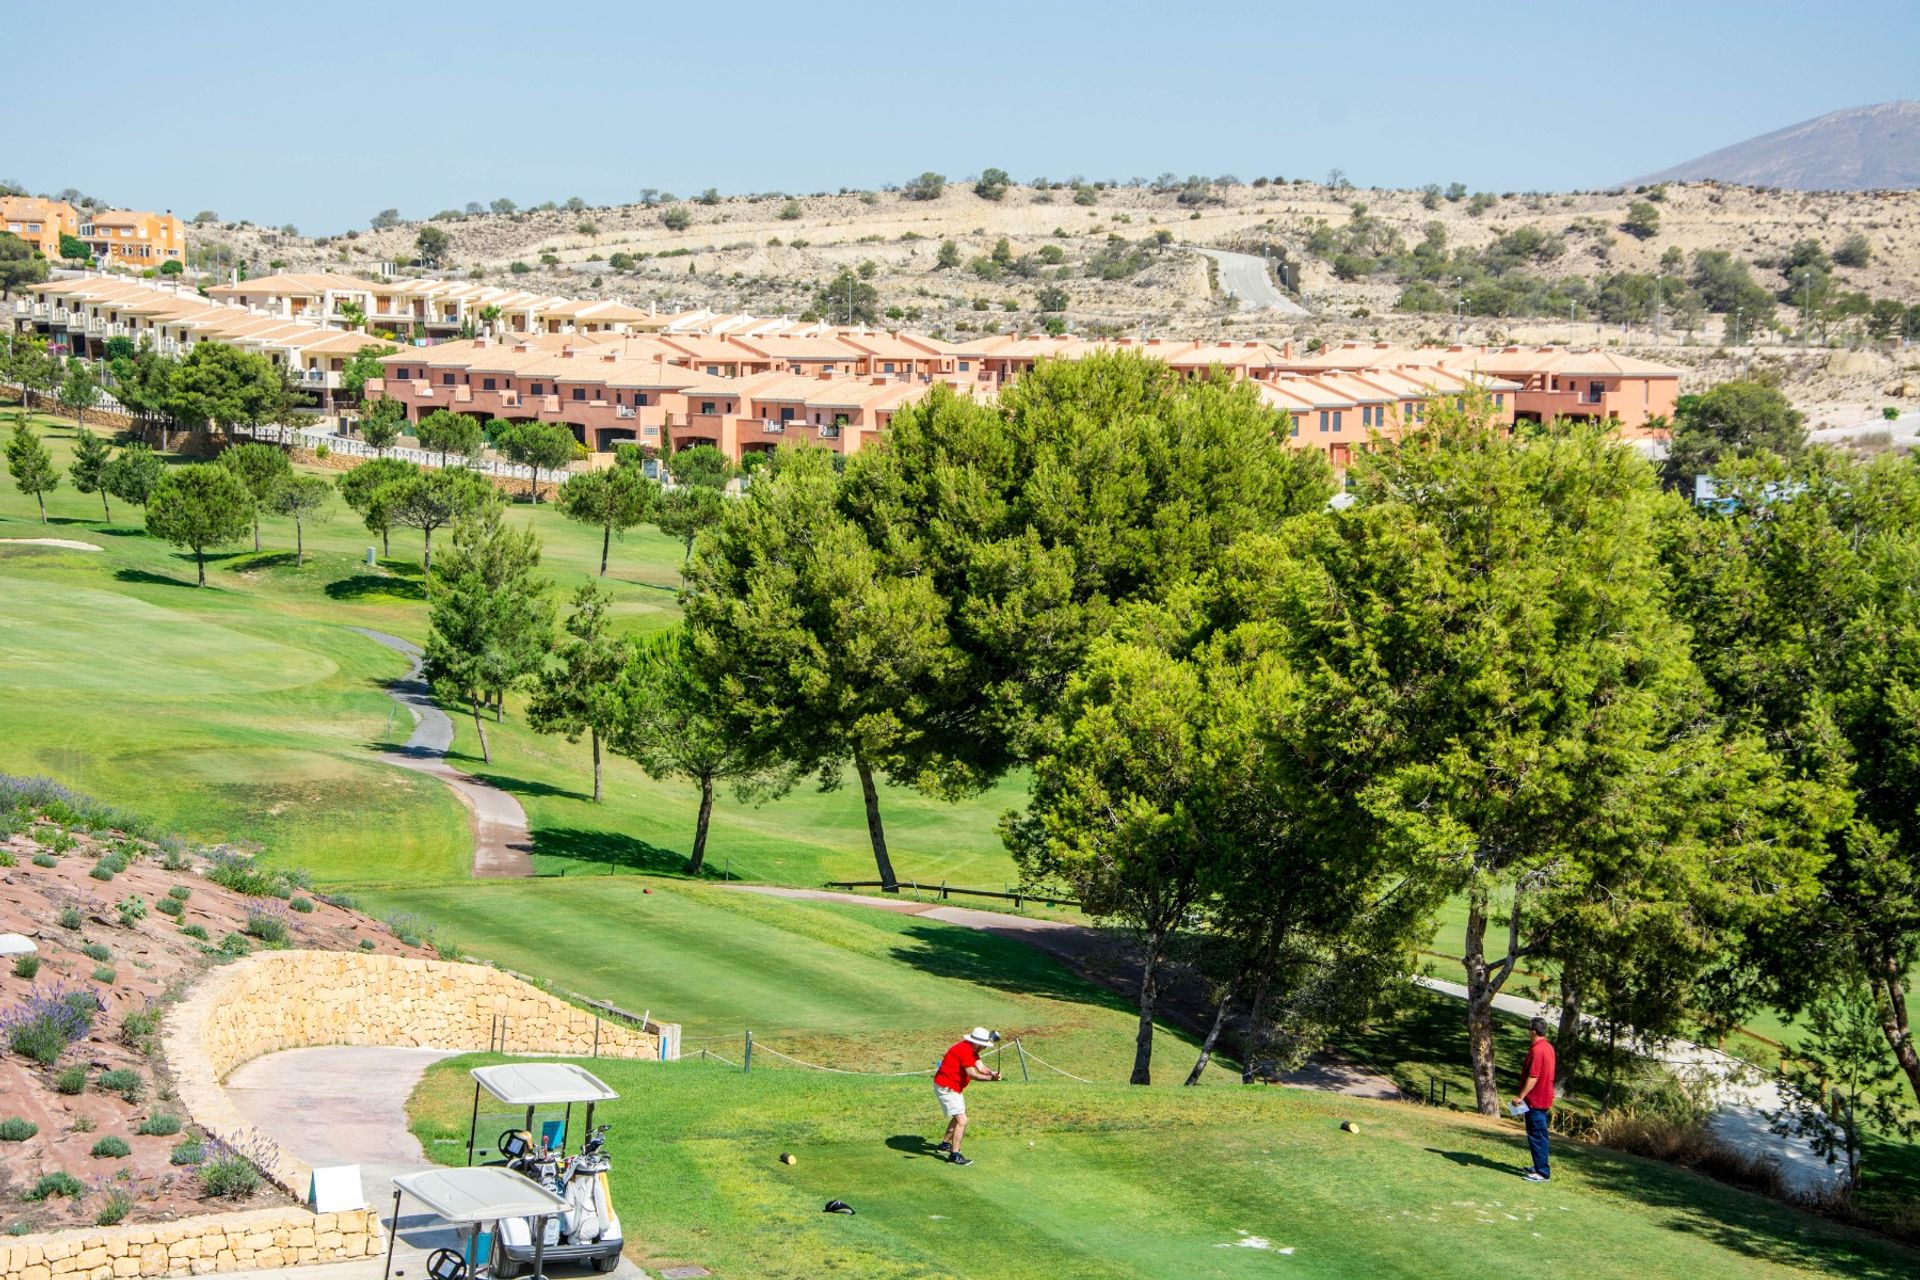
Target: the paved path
pixel 348 1105
pixel 1104 959
pixel 1245 277
pixel 501 839
pixel 1743 1093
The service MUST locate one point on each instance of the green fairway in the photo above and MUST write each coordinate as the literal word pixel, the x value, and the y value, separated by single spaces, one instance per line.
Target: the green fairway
pixel 246 711
pixel 843 985
pixel 1107 1181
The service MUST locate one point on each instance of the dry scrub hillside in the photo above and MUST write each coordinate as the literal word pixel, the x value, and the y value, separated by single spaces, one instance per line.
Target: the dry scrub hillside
pixel 89 1127
pixel 766 254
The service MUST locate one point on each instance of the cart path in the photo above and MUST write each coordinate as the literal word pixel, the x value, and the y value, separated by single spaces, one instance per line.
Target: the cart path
pixel 348 1105
pixel 1108 961
pixel 339 1105
pixel 501 840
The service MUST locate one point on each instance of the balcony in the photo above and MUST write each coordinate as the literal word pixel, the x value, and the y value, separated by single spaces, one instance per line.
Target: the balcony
pixel 830 432
pixel 625 411
pixel 773 428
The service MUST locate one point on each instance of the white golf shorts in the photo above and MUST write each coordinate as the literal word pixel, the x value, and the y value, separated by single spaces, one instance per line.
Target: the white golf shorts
pixel 952 1101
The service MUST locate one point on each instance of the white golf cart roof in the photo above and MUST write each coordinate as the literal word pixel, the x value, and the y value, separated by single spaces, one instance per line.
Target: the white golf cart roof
pixel 531 1084
pixel 485 1194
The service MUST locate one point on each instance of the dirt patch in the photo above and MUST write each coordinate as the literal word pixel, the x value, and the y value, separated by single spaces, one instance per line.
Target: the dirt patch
pixel 65 543
pixel 128 965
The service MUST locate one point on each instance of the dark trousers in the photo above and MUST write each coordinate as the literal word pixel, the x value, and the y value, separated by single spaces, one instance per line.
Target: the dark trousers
pixel 1537 1140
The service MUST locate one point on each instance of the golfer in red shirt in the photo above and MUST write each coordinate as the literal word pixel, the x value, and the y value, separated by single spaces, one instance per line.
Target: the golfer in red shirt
pixel 959 1068
pixel 1536 1099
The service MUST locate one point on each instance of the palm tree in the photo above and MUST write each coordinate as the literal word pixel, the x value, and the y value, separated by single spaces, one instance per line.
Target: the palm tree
pixel 490 314
pixel 354 314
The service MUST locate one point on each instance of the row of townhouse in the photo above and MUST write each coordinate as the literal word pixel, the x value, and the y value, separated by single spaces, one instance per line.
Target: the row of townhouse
pixel 839 387
pixel 81 314
pixel 660 391
pixel 115 237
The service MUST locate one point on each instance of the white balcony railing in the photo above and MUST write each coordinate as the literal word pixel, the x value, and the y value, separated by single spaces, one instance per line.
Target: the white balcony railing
pixel 624 411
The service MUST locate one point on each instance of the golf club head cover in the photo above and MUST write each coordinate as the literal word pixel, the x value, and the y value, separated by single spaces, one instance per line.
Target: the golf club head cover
pixel 838 1206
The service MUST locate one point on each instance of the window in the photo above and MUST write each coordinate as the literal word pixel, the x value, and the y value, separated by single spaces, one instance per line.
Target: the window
pixel 1323 419
pixel 887 367
pixel 579 393
pixel 786 414
pixel 1336 419
pixel 639 397
pixel 706 406
pixel 1295 425
pixel 539 388
pixel 713 371
pixel 1499 399
pixel 965 365
pixel 446 379
pixel 487 384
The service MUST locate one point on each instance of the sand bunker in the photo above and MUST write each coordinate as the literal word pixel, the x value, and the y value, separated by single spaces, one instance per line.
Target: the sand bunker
pixel 68 543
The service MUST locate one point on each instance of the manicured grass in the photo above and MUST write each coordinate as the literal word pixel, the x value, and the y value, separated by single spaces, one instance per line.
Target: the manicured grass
pixel 841 985
pixel 251 691
pixel 1106 1181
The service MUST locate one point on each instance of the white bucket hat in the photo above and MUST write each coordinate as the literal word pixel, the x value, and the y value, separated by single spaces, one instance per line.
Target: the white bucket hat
pixel 982 1037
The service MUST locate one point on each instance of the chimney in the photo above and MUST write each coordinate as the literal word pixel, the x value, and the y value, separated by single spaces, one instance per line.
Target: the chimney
pixel 566 352
pixel 824 376
pixel 1286 349
pixel 878 380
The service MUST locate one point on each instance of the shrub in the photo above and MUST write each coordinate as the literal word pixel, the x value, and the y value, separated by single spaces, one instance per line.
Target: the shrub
pixel 111 1149
pixel 302 905
pixel 56 1184
pixel 46 1022
pixel 170 907
pixel 139 1024
pixel 407 927
pixel 7 859
pixel 188 1152
pixel 236 871
pixel 116 1206
pixel 122 1080
pixel 82 1124
pixel 366 944
pixel 266 926
pixel 14 1129
pixel 235 944
pixel 133 909
pixel 194 931
pixel 26 966
pixel 71 1080
pixel 676 218
pixel 227 1174
pixel 790 211
pixel 103 869
pixel 175 859
pixel 70 917
pixel 180 891
pixel 160 1124
pixel 104 973
pixel 96 951
pixel 45 860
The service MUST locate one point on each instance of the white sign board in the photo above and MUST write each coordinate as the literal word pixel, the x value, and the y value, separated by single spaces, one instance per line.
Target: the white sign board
pixel 336 1190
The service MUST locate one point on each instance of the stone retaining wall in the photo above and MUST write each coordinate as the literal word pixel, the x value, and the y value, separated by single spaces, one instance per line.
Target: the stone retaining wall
pixel 275 1000
pixel 257 1238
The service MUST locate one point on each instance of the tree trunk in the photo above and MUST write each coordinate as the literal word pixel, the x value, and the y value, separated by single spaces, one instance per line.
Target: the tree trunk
pixel 875 832
pixel 41 498
pixel 1566 1043
pixel 1891 991
pixel 1480 991
pixel 1149 995
pixel 106 512
pixel 426 558
pixel 480 727
pixel 593 739
pixel 200 562
pixel 256 533
pixel 699 858
pixel 606 542
pixel 1213 1034
pixel 299 543
pixel 386 548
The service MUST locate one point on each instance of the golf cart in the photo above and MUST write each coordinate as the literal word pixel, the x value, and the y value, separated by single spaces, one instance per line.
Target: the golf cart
pixel 468 1199
pixel 588 1229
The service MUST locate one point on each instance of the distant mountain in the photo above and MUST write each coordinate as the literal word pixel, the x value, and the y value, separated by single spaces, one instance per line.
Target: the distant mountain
pixel 1858 149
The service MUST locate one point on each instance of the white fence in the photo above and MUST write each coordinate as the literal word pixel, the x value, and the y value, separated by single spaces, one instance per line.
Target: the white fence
pixel 316 437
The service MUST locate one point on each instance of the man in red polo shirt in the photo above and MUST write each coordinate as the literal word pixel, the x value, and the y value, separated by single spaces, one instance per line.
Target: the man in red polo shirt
pixel 957 1069
pixel 1536 1097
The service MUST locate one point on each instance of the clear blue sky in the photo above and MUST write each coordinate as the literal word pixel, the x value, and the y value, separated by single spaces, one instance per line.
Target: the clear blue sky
pixel 320 115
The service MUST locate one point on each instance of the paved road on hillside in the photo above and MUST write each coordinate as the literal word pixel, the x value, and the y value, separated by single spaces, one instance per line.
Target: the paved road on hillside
pixel 1244 277
pixel 501 840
